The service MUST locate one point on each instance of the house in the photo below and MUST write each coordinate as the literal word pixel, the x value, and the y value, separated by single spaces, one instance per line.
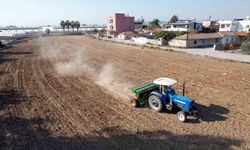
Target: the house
pixel 243 36
pixel 125 35
pixel 229 37
pixel 47 28
pixel 185 25
pixel 210 24
pixel 119 22
pixel 228 25
pixel 236 25
pixel 207 39
pixel 196 40
pixel 139 24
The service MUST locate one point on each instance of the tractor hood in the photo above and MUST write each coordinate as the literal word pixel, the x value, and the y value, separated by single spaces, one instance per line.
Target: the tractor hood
pixel 181 99
pixel 182 102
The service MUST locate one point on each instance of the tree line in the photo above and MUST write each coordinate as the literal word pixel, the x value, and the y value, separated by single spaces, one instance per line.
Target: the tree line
pixel 156 22
pixel 70 24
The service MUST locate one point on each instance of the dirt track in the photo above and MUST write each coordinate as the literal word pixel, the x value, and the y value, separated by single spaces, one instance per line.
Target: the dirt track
pixel 43 108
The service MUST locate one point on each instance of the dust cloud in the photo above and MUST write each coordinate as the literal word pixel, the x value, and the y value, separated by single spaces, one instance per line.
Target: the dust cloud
pixel 75 66
pixel 71 60
pixel 107 78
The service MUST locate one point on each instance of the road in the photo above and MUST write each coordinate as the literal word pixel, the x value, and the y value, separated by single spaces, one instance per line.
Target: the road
pixel 195 51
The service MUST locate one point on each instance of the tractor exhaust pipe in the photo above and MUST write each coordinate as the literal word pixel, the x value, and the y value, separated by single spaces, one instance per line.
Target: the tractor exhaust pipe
pixel 183 88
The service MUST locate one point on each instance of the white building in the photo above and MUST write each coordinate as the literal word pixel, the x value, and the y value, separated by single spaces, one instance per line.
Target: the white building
pixel 51 29
pixel 205 39
pixel 238 25
pixel 185 25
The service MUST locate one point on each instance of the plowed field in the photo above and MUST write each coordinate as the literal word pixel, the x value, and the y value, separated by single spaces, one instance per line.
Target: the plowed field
pixel 70 92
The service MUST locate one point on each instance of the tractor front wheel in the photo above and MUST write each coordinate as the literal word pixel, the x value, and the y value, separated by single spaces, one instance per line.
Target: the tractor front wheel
pixel 182 116
pixel 155 103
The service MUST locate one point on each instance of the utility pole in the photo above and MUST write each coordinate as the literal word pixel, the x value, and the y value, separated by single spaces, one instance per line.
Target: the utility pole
pixel 187 26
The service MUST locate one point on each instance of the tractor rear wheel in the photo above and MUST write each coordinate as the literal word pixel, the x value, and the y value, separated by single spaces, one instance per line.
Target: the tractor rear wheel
pixel 182 116
pixel 155 103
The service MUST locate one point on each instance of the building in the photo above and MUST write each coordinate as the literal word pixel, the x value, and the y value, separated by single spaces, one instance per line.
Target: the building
pixel 44 29
pixel 227 25
pixel 125 35
pixel 236 25
pixel 229 37
pixel 119 22
pixel 185 25
pixel 139 24
pixel 196 40
pixel 210 24
pixel 207 39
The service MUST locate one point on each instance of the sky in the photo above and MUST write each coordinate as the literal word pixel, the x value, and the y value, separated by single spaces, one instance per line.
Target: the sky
pixel 51 12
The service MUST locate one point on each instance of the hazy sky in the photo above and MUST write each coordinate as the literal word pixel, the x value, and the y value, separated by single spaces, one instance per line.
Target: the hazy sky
pixel 51 12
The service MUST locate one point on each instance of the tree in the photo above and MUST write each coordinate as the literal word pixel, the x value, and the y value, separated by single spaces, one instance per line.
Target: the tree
pixel 73 24
pixel 77 23
pixel 63 25
pixel 245 47
pixel 155 23
pixel 165 35
pixel 1 44
pixel 168 35
pixel 174 19
pixel 248 35
pixel 67 24
pixel 47 31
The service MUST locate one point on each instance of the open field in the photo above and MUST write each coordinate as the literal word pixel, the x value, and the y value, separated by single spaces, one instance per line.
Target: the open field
pixel 71 93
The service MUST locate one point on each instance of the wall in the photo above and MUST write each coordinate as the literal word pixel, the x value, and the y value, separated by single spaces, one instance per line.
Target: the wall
pixel 144 40
pixel 140 40
pixel 228 39
pixel 232 25
pixel 124 37
pixel 191 43
pixel 123 23
pixel 183 27
pixel 243 25
pixel 177 43
pixel 202 43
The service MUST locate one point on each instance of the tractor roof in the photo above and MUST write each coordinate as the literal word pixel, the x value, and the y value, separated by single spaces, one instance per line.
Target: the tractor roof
pixel 165 81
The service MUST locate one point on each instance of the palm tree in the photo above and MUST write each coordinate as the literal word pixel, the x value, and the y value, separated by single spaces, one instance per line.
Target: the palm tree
pixel 72 24
pixel 67 24
pixel 63 24
pixel 78 25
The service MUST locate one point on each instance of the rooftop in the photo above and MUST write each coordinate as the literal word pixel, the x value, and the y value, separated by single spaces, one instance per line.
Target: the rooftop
pixel 195 36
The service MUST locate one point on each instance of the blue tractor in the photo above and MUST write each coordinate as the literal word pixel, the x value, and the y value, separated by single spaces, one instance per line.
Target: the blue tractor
pixel 160 95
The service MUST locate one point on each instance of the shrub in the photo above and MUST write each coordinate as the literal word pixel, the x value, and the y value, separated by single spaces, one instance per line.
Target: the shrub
pixel 168 35
pixel 232 45
pixel 236 44
pixel 245 47
pixel 226 46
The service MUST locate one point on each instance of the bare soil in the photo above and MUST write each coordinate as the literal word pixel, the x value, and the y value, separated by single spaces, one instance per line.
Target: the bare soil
pixel 41 108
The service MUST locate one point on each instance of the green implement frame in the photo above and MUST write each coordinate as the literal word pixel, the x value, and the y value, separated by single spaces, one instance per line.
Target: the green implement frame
pixel 142 92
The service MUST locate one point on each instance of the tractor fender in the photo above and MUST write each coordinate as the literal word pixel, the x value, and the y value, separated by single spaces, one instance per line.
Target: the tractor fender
pixel 161 96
